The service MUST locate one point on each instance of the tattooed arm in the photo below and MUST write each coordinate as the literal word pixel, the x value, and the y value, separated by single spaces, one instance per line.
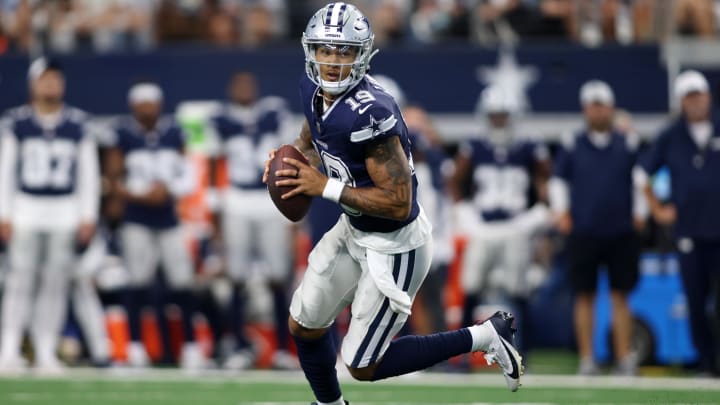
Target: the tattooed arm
pixel 389 169
pixel 391 197
pixel 304 145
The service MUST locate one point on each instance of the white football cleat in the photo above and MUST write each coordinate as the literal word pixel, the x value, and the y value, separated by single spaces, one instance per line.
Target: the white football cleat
pixel 12 364
pixel 283 360
pixel 49 366
pixel 240 360
pixel 192 357
pixel 502 351
pixel 137 355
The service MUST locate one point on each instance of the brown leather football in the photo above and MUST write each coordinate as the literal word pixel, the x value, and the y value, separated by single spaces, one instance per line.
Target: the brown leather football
pixel 294 208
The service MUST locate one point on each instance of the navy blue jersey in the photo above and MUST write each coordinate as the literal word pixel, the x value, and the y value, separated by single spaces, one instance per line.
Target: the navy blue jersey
pixel 362 115
pixel 150 157
pixel 47 156
pixel 600 182
pixel 501 176
pixel 246 136
pixel 694 177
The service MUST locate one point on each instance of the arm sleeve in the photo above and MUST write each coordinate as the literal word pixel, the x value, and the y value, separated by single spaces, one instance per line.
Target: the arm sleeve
pixel 375 123
pixel 559 194
pixel 88 176
pixel 8 160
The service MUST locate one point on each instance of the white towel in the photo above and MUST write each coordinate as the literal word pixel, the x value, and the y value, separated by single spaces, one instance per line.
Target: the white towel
pixel 380 267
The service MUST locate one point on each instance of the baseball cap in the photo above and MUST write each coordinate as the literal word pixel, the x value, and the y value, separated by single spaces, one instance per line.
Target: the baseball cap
pixel 596 91
pixel 690 81
pixel 40 66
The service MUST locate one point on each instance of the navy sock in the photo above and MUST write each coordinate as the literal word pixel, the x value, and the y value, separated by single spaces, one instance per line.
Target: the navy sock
pixel 187 302
pixel 280 315
pixel 237 317
pixel 135 300
pixel 413 353
pixel 317 358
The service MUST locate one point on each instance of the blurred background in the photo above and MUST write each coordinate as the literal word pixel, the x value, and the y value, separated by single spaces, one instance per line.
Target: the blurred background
pixel 440 55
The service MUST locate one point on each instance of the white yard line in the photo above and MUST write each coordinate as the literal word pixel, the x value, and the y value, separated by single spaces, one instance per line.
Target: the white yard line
pixel 416 379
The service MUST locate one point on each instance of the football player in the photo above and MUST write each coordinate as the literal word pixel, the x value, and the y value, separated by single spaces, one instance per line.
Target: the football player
pixel 148 170
pixel 49 196
pixel 254 237
pixel 503 170
pixel 378 253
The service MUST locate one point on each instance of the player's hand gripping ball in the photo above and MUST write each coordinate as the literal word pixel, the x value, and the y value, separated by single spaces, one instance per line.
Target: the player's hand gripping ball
pixel 296 207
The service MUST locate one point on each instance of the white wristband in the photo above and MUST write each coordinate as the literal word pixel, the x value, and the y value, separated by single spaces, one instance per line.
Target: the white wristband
pixel 333 189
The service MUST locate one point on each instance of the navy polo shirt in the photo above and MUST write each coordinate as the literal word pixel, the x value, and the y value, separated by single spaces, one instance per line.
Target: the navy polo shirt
pixel 694 177
pixel 600 183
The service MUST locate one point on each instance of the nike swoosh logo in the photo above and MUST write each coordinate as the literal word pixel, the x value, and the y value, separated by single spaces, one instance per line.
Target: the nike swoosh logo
pixel 515 371
pixel 362 110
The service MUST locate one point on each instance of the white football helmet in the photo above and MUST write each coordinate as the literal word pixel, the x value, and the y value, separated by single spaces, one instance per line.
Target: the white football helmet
pixel 338 25
pixel 496 101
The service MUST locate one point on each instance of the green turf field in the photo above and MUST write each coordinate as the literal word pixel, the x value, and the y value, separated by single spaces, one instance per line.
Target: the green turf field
pixel 265 388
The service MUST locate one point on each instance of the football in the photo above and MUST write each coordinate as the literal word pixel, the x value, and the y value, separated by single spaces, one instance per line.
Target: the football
pixel 294 208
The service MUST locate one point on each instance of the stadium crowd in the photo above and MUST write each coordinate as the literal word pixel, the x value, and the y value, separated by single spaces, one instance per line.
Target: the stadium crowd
pixel 62 26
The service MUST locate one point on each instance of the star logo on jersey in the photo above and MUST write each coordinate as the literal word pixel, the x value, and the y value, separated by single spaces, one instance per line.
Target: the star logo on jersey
pixel 510 76
pixel 374 125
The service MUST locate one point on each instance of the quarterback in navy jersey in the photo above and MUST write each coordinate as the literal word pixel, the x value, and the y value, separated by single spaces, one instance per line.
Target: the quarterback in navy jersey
pixel 244 131
pixel 503 170
pixel 148 171
pixel 378 253
pixel 49 197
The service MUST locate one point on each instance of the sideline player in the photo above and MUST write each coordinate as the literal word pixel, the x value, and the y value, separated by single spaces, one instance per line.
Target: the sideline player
pixel 503 169
pixel 49 197
pixel 378 253
pixel 253 235
pixel 148 171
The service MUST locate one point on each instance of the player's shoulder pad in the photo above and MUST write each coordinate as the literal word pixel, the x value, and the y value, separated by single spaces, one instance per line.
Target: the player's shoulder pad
pixel 374 120
pixel 169 126
pixel 380 95
pixel 272 103
pixel 76 115
pixel 19 113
